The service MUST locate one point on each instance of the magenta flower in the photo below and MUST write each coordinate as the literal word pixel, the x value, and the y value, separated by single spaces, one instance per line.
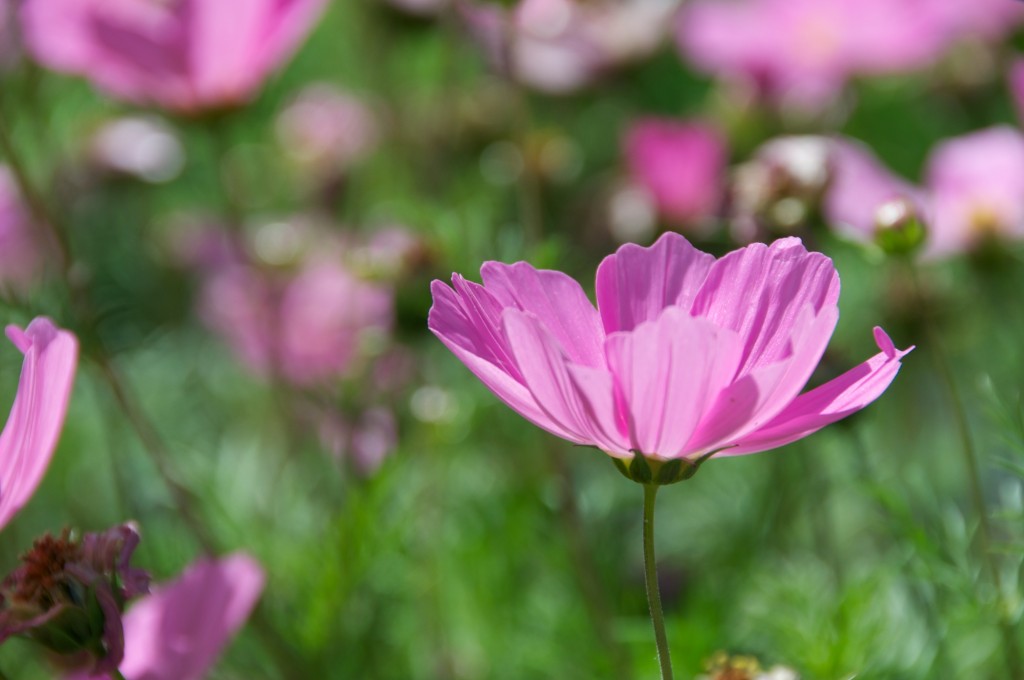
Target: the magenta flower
pixel 177 632
pixel 976 185
pixel 679 164
pixel 188 56
pixel 33 427
pixel 685 356
pixel 801 52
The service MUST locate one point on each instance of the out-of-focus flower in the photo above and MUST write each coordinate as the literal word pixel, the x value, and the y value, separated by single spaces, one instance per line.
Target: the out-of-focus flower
pixel 307 326
pixel 976 188
pixel 684 357
pixel 37 416
pixel 9 47
pixel 22 256
pixel 800 53
pixel 327 130
pixel 178 631
pixel 559 46
pixel 143 147
pixel 680 165
pixel 366 438
pixel 779 187
pixel 858 186
pixel 725 667
pixel 983 19
pixel 188 56
pixel 69 593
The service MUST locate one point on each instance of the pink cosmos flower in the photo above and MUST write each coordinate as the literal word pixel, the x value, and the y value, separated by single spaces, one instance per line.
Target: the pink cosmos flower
pixel 37 416
pixel 559 46
pixel 679 164
pixel 802 52
pixel 177 631
pixel 858 186
pixel 188 56
pixel 307 327
pixel 685 356
pixel 976 184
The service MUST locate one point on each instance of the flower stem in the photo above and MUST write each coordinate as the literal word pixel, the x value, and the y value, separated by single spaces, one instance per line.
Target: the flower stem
pixel 651 579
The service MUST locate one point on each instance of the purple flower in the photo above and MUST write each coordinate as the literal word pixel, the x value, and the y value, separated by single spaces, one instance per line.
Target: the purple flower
pixel 800 53
pixel 37 416
pixel 22 256
pixel 685 356
pixel 177 632
pixel 679 164
pixel 69 592
pixel 188 56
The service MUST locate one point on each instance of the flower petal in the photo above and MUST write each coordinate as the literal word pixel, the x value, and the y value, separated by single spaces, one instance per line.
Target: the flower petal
pixel 33 427
pixel 635 284
pixel 828 403
pixel 554 298
pixel 759 292
pixel 668 372
pixel 576 399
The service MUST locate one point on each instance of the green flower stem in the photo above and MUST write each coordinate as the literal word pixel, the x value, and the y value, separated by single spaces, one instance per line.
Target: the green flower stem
pixel 651 579
pixel 118 675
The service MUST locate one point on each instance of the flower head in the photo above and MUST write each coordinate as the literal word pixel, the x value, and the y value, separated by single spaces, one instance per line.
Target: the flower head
pixel 188 56
pixel 36 418
pixel 685 356
pixel 69 592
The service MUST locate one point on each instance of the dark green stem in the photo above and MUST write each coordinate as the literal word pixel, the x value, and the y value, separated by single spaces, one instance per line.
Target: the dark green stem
pixel 651 579
pixel 117 674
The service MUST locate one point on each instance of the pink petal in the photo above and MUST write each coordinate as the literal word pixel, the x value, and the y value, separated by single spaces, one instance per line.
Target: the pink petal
pixel 635 284
pixel 668 372
pixel 759 292
pixel 33 427
pixel 177 632
pixel 569 395
pixel 468 322
pixel 828 403
pixel 554 298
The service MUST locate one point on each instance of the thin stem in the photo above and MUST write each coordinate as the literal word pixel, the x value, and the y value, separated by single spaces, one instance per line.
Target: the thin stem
pixel 651 579
pixel 1012 652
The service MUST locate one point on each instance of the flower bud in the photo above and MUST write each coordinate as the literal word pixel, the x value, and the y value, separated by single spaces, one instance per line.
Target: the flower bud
pixel 899 229
pixel 69 592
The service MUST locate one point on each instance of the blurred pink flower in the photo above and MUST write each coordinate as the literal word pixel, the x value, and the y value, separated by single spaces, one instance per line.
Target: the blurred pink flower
pixel 37 416
pixel 188 56
pixel 366 438
pixel 559 46
pixel 976 188
pixel 307 327
pixel 178 631
pixel 685 356
pixel 858 186
pixel 326 129
pixel 680 164
pixel 22 256
pixel 984 19
pixel 800 53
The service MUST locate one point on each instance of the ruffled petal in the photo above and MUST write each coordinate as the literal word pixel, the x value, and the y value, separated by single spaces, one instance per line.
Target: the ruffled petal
pixel 635 284
pixel 668 373
pixel 556 300
pixel 828 403
pixel 37 416
pixel 759 292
